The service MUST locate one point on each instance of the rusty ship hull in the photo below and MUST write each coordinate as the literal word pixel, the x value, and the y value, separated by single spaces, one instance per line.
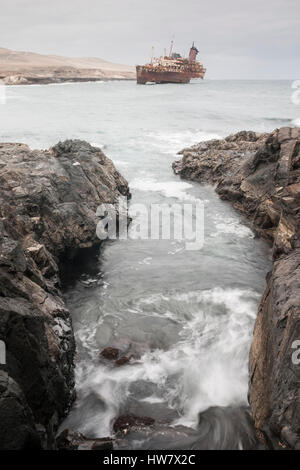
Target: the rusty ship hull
pixel 144 76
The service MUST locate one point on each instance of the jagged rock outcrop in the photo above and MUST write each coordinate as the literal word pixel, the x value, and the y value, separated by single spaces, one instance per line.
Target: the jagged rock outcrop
pixel 48 201
pixel 260 175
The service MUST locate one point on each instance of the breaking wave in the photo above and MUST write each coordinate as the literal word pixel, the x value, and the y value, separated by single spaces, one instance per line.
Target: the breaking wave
pixel 206 366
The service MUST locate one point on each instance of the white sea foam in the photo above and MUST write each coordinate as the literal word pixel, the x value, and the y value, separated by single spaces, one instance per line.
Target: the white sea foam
pixel 206 367
pixel 210 361
pixel 176 189
pixel 178 248
pixel 98 145
pixel 231 226
pixel 146 260
pixel 152 399
pixel 120 163
pixel 171 142
pixel 296 122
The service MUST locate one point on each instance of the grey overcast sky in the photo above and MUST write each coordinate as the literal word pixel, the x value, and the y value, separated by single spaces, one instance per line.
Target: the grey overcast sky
pixel 236 38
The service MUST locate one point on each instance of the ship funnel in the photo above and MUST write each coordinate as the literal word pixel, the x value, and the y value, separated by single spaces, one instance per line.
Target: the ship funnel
pixel 193 53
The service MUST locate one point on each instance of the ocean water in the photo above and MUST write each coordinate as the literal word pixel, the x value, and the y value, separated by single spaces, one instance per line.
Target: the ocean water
pixel 187 316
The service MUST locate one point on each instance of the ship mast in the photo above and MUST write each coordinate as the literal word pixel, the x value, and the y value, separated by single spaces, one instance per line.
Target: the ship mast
pixel 152 55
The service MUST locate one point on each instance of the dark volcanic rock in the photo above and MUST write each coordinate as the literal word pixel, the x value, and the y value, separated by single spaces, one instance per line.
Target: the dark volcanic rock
pixel 123 351
pixel 123 360
pixel 17 430
pixel 260 175
pixel 274 379
pixel 110 353
pixel 114 354
pixel 125 422
pixel 48 201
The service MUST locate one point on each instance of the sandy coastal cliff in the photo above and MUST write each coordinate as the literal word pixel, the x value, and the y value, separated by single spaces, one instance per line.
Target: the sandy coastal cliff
pixel 48 201
pixel 260 175
pixel 25 68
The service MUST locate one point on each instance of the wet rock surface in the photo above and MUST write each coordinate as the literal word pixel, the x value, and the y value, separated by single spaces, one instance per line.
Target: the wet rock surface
pixel 110 353
pixel 123 352
pixel 70 440
pixel 16 417
pixel 117 356
pixel 123 360
pixel 48 201
pixel 126 422
pixel 220 428
pixel 260 175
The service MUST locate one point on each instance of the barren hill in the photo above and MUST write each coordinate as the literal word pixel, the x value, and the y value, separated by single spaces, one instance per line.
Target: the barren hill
pixel 17 67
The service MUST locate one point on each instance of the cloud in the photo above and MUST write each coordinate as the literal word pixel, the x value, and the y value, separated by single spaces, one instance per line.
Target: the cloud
pixel 258 39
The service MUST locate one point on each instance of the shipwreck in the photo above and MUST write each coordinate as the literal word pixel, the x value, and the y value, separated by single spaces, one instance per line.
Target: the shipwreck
pixel 171 68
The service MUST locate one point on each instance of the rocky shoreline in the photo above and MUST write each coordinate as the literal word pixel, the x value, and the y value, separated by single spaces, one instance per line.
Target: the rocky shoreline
pixel 48 201
pixel 260 175
pixel 62 76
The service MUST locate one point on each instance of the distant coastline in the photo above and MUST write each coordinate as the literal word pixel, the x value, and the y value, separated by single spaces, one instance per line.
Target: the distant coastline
pixel 27 68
